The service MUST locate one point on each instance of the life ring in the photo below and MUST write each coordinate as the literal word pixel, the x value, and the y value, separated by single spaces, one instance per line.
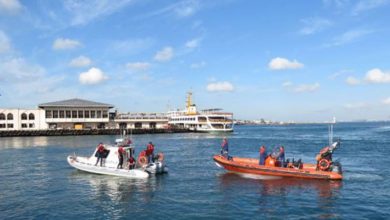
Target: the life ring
pixel 142 160
pixel 160 156
pixel 324 164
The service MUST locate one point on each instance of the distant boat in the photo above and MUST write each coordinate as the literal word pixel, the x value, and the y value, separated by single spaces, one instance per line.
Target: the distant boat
pixel 208 120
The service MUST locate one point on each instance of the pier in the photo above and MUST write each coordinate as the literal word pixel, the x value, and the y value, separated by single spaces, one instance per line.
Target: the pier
pixel 69 132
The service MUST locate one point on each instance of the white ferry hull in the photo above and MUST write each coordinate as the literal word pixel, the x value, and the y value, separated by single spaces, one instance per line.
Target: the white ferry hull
pixel 84 164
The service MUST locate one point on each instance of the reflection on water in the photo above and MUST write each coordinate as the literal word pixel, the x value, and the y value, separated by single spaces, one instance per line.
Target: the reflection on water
pixel 282 186
pixel 117 189
pixel 23 142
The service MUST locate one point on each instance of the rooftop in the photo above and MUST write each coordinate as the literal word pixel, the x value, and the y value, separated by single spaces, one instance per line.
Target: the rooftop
pixel 75 103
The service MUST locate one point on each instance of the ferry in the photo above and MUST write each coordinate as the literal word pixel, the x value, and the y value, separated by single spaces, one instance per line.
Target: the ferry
pixel 208 120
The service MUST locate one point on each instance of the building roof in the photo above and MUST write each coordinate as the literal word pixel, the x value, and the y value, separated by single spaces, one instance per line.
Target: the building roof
pixel 75 103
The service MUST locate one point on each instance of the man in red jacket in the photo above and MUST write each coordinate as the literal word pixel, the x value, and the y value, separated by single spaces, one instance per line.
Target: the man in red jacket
pixel 99 154
pixel 150 152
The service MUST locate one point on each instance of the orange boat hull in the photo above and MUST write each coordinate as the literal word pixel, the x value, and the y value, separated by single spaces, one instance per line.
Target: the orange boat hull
pixel 251 166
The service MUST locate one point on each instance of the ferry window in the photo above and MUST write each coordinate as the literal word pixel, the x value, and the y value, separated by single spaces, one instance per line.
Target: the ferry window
pixel 93 114
pixel 2 116
pixel 81 115
pixel 24 116
pixel 62 114
pixel 98 114
pixel 55 114
pixel 24 125
pixel 31 125
pixel 2 125
pixel 48 114
pixel 105 115
pixel 67 114
pixel 31 116
pixel 10 125
pixel 86 114
pixel 10 116
pixel 74 114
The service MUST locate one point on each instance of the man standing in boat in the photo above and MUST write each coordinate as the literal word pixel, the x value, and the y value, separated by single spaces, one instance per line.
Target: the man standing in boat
pixel 281 157
pixel 263 155
pixel 121 153
pixel 150 152
pixel 99 153
pixel 225 148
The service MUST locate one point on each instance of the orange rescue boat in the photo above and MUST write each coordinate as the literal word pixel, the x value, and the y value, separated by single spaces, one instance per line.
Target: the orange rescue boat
pixel 324 169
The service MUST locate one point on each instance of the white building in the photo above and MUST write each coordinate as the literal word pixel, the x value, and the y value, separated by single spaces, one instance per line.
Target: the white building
pixel 76 114
pixel 22 119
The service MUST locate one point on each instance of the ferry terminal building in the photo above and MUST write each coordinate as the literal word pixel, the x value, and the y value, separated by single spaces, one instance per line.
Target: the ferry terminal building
pixel 77 114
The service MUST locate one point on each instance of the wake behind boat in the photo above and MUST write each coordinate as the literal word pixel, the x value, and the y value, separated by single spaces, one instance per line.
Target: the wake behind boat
pixel 139 168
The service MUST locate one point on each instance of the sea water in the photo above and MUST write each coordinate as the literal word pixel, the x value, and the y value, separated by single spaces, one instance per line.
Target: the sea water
pixel 37 183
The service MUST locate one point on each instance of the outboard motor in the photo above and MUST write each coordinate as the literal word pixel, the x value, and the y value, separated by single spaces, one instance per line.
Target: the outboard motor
pixel 324 158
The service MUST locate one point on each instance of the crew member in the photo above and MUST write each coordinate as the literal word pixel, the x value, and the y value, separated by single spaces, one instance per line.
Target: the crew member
pixel 99 154
pixel 150 152
pixel 263 155
pixel 225 148
pixel 281 157
pixel 131 162
pixel 121 153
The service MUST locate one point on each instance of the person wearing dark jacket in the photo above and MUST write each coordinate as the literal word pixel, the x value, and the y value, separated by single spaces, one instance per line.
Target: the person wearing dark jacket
pixel 263 155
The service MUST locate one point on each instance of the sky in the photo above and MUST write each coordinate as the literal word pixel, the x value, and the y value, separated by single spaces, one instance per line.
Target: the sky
pixel 279 60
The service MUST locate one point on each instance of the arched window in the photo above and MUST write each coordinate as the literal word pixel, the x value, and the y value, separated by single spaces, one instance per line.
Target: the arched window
pixel 31 116
pixel 2 116
pixel 24 116
pixel 10 116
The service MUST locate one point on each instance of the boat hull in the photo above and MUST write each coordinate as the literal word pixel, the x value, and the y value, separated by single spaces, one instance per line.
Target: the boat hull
pixel 251 166
pixel 81 163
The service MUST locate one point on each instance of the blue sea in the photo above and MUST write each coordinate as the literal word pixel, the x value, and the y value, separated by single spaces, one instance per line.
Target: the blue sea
pixel 37 183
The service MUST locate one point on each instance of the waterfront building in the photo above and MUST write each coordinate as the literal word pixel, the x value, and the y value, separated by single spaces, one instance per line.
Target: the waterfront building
pixel 141 120
pixel 22 119
pixel 77 114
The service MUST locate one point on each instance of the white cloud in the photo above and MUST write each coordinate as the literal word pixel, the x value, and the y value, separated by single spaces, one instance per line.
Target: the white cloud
pixel 10 6
pixel 386 101
pixel 84 12
pixel 349 37
pixel 198 65
pixel 187 8
pixel 92 76
pixel 164 55
pixel 5 44
pixel 138 66
pixel 65 44
pixel 377 76
pixel 220 87
pixel 365 5
pixel 81 61
pixel 279 63
pixel 300 88
pixel 307 88
pixel 132 46
pixel 192 43
pixel 287 84
pixel 358 105
pixel 314 25
pixel 352 81
pixel 18 70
